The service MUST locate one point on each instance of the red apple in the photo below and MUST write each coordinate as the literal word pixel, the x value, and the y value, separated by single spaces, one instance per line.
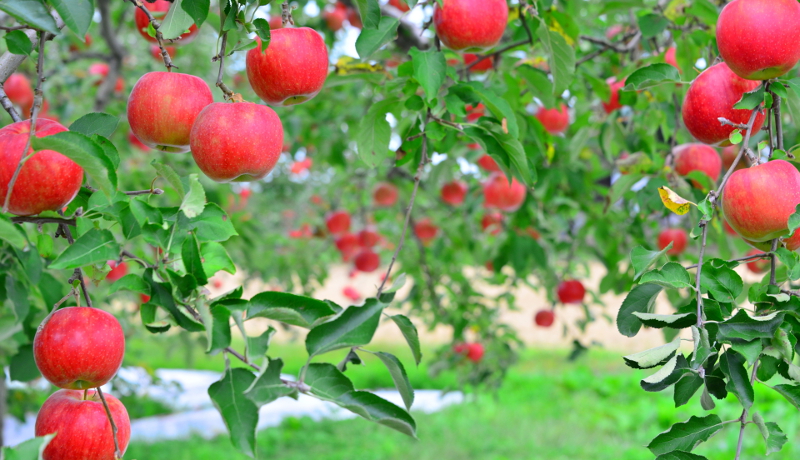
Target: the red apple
pixel 368 238
pixel 400 5
pixel 48 180
pixel 474 112
pixel 19 91
pixel 758 266
pixel 163 107
pixel 729 154
pixel 712 95
pixel 347 244
pixel 245 193
pixel 159 10
pixel 292 69
pixel 613 31
pixel 493 222
pixel 473 351
pixel 488 163
pixel 299 167
pixel 79 347
pixel 501 194
pixel 425 230
pixel 217 283
pixel 81 426
pixel 555 121
pixel 759 39
pixel 758 201
pixel 571 291
pixel 545 318
pixel 677 236
pixel 155 51
pixel 482 66
pixel 335 18
pixel 238 142
pixel 144 298
pixel 489 265
pixel 613 103
pixel 697 157
pixel 135 142
pixel 351 293
pixel 101 70
pixel 76 46
pixel 354 18
pixel 669 58
pixel 338 222
pixel 118 270
pixel 367 261
pixel 470 24
pixel 275 22
pixel 304 232
pixel 454 192
pixel 384 195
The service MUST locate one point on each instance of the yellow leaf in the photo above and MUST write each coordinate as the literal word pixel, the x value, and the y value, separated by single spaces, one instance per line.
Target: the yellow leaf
pixel 347 65
pixel 556 27
pixel 674 202
pixel 551 153
pixel 513 13
pixel 675 9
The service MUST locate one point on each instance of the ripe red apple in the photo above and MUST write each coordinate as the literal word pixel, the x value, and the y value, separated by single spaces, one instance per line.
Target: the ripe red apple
pixel 19 91
pixel 275 22
pixel 338 222
pixel 759 39
pixel 118 270
pixel 135 142
pixel 488 163
pixel 48 181
pixel 470 24
pixel 335 17
pixel 555 121
pixel 368 238
pixel 758 201
pixel 669 58
pixel 304 232
pixel 144 298
pixel 367 261
pixel 347 244
pixel 545 318
pixel 758 266
pixel 400 5
pixel 100 70
pixel 482 66
pixel 384 195
pixel 493 222
pixel 159 10
pixel 501 194
pixel 712 95
pixel 473 351
pixel 426 230
pixel 354 18
pixel 79 347
pixel 571 291
pixel 697 157
pixel 81 426
pixel 454 192
pixel 677 236
pixel 292 69
pixel 299 167
pixel 474 112
pixel 613 103
pixel 155 51
pixel 729 154
pixel 238 142
pixel 163 107
pixel 351 293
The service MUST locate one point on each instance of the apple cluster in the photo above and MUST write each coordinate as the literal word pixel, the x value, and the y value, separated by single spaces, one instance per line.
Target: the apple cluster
pixel 79 349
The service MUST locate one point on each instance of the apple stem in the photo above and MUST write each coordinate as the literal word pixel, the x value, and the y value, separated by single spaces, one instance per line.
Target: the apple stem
pixel 114 430
pixel 63 230
pixel 286 14
pixel 159 37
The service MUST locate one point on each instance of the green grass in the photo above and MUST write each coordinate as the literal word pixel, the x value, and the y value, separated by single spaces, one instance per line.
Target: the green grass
pixel 549 409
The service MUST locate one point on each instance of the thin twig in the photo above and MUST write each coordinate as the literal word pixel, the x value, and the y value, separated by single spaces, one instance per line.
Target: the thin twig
pixel 44 220
pixel 228 94
pixel 743 418
pixel 772 262
pixel 764 255
pixel 9 106
pixel 154 191
pixel 114 430
pixel 700 320
pixel 159 37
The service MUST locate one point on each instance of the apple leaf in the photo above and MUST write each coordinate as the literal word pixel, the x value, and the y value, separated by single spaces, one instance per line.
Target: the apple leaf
pixel 642 299
pixel 724 283
pixel 674 202
pixel 31 12
pixel 93 247
pixel 772 433
pixel 130 282
pixel 197 10
pixel 371 40
pixel 676 321
pixel 190 254
pixel 642 259
pixel 733 366
pixel 751 100
pixel 195 199
pixel 370 11
pixel 409 331
pixel 374 133
pixel 744 328
pixel 539 84
pixel 652 24
pixel 217 320
pixel 239 413
pixel 354 327
pixel 95 123
pixel 263 32
pixel 213 224
pixel 653 357
pixel 430 70
pixel 86 153
pixel 686 435
pixel 560 55
pixel 291 309
pixel 11 234
pixel 32 449
pixel 652 75
pixel 268 386
pixel 76 14
pixel 18 42
pixel 399 376
pixel 257 346
pixel 680 455
pixel 176 22
pixel 671 275
pixel 216 258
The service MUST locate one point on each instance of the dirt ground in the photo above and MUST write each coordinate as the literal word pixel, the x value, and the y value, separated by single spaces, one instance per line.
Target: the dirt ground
pixel 602 331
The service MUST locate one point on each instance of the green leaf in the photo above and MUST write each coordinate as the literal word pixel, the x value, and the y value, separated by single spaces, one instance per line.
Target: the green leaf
pixel 95 123
pixel 641 299
pixel 370 12
pixel 18 42
pixel 501 109
pixel 673 370
pixel 86 153
pixel 76 14
pixel 680 455
pixel 724 283
pixel 195 200
pixel 217 321
pixel 743 327
pixel 752 99
pixel 291 309
pixel 216 258
pixel 31 12
pixel 371 40
pixel 652 75
pixel 620 187
pixel 176 22
pixel 653 357
pixel 560 55
pixel 686 435
pixel 32 449
pixel 17 293
pixel 161 295
pixel 22 366
pixel 732 364
pixel 190 253
pixel 374 133
pixel 197 10
pixel 676 321
pixel 264 33
pixel 686 387
pixel 642 259
pixel 257 346
pixel 11 233
pixel 354 327
pixel 430 68
pixel 212 225
pixel 130 282
pixel 327 382
pixel 539 84
pixel 399 376
pixel 794 220
pixel 790 392
pixel 409 331
pixel 93 247
pixel 652 25
pixel 671 275
pixel 170 175
pixel 268 386
pixel 240 413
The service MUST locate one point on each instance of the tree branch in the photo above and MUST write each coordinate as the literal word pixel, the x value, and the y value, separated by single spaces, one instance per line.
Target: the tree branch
pixel 114 430
pixel 227 93
pixel 159 37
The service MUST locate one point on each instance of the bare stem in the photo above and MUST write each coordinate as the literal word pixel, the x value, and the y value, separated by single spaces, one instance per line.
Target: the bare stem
pixel 114 430
pixel 9 106
pixel 44 220
pixel 154 191
pixel 700 322
pixel 159 37
pixel 228 94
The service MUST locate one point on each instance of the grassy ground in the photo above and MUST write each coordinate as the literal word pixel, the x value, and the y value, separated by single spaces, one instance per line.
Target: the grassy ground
pixel 549 409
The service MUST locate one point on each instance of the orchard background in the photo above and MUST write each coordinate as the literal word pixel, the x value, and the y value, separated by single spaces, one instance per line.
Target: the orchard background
pixel 477 195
